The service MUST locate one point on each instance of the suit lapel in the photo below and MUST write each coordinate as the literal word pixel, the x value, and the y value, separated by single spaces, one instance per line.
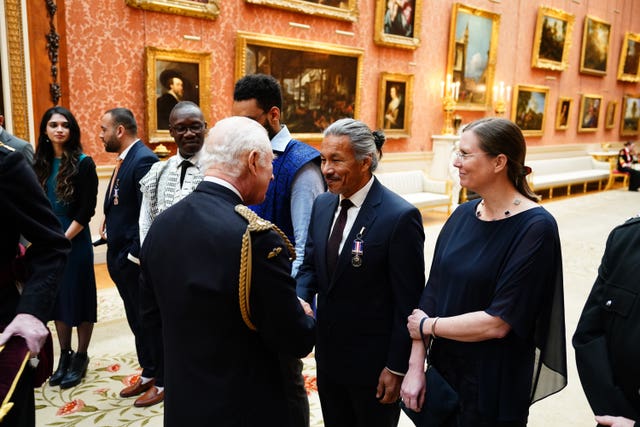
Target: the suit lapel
pixel 126 165
pixel 366 218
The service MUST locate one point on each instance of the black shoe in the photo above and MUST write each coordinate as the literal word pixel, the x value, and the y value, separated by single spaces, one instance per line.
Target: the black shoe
pixel 63 367
pixel 76 372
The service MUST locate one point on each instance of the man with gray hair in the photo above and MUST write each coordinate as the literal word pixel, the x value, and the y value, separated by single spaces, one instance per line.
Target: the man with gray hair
pixel 368 276
pixel 225 299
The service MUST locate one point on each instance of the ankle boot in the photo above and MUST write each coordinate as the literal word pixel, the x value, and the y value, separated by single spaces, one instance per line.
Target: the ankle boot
pixel 76 372
pixel 63 367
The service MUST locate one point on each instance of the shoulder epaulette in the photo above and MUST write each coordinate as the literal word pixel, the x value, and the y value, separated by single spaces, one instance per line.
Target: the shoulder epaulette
pixel 255 224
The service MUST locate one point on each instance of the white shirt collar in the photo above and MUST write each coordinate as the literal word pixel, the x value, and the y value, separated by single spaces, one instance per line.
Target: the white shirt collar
pixel 358 197
pixel 281 140
pixel 126 150
pixel 225 184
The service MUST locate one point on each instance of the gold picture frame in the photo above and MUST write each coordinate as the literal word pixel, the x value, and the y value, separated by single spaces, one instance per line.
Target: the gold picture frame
pixel 630 117
pixel 320 82
pixel 395 104
pixel 346 10
pixel 552 39
pixel 529 108
pixel 563 112
pixel 163 67
pixel 209 9
pixel 476 83
pixel 398 23
pixel 610 116
pixel 595 46
pixel 629 64
pixel 589 117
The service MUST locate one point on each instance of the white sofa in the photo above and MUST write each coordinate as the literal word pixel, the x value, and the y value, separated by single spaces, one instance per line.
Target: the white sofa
pixel 418 189
pixel 564 172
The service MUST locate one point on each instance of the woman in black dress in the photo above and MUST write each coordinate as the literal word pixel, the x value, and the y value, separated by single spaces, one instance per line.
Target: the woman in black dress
pixel 71 183
pixel 493 304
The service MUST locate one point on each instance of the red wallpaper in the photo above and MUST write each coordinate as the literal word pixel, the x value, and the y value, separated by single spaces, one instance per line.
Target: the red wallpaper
pixel 106 41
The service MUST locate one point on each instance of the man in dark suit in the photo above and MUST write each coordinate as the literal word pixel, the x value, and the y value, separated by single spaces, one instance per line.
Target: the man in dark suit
pixel 120 229
pixel 607 339
pixel 25 209
pixel 20 145
pixel 365 290
pixel 218 346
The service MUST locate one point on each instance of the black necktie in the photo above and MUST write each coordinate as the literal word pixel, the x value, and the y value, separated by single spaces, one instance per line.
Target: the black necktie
pixel 333 245
pixel 185 165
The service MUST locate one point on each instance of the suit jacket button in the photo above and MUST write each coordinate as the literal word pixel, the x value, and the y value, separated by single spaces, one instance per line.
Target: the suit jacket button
pixel 608 303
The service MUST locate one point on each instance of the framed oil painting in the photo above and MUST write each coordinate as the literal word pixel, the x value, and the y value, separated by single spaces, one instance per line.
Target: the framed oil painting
pixel 473 46
pixel 529 109
pixel 610 115
pixel 172 76
pixel 346 10
pixel 320 82
pixel 209 9
pixel 563 112
pixel 595 46
pixel 590 106
pixel 398 23
pixel 629 65
pixel 552 39
pixel 395 104
pixel 630 120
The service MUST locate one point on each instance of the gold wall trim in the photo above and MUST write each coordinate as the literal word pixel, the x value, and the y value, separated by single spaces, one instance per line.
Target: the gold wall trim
pixel 17 70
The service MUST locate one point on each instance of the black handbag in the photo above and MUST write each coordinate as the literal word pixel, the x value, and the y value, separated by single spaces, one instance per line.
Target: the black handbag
pixel 440 400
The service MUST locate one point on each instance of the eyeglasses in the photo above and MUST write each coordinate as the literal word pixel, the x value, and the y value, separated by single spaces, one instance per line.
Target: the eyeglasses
pixel 195 128
pixel 464 156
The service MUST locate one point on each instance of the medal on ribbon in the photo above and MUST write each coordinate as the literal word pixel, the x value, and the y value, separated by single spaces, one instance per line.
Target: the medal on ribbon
pixel 116 190
pixel 357 250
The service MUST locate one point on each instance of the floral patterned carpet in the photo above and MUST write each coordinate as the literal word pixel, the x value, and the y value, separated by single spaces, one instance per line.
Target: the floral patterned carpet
pixel 96 402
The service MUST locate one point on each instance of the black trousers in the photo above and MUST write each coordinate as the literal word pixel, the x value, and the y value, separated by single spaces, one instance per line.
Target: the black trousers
pixel 354 405
pixel 634 178
pixel 126 275
pixel 294 391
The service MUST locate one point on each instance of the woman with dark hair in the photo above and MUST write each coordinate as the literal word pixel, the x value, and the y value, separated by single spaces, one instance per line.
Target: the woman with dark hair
pixel 492 310
pixel 71 183
pixel 626 162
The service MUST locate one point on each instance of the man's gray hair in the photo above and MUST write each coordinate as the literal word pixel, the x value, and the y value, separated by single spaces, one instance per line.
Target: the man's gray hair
pixel 362 139
pixel 227 142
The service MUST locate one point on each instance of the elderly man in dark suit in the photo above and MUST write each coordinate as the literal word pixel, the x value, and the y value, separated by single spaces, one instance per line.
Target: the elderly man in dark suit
pixel 607 339
pixel 16 143
pixel 120 229
pixel 25 209
pixel 216 276
pixel 364 258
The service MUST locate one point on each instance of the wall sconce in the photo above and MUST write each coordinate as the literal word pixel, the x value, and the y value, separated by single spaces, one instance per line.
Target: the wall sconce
pixel 501 95
pixel 449 91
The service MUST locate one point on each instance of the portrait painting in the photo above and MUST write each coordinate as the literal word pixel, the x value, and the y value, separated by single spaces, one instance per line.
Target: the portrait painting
pixel 173 76
pixel 320 81
pixel 209 9
pixel 473 44
pixel 610 116
pixel 529 109
pixel 589 116
pixel 395 104
pixel 630 120
pixel 563 113
pixel 552 39
pixel 629 64
pixel 345 10
pixel 595 46
pixel 398 23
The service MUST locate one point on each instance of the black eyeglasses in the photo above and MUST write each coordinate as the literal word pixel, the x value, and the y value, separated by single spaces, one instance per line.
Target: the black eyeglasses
pixel 195 128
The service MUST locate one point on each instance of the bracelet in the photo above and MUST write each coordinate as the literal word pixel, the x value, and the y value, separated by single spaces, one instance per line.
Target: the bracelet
pixel 433 328
pixel 421 324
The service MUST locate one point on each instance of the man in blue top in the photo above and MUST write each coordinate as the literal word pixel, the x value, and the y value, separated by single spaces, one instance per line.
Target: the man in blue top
pixel 289 199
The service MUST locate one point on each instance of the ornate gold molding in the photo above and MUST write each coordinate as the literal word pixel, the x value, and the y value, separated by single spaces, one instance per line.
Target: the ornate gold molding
pixel 17 69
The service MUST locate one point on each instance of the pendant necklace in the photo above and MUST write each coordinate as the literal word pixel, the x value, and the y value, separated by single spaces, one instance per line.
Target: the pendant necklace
pixel 516 202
